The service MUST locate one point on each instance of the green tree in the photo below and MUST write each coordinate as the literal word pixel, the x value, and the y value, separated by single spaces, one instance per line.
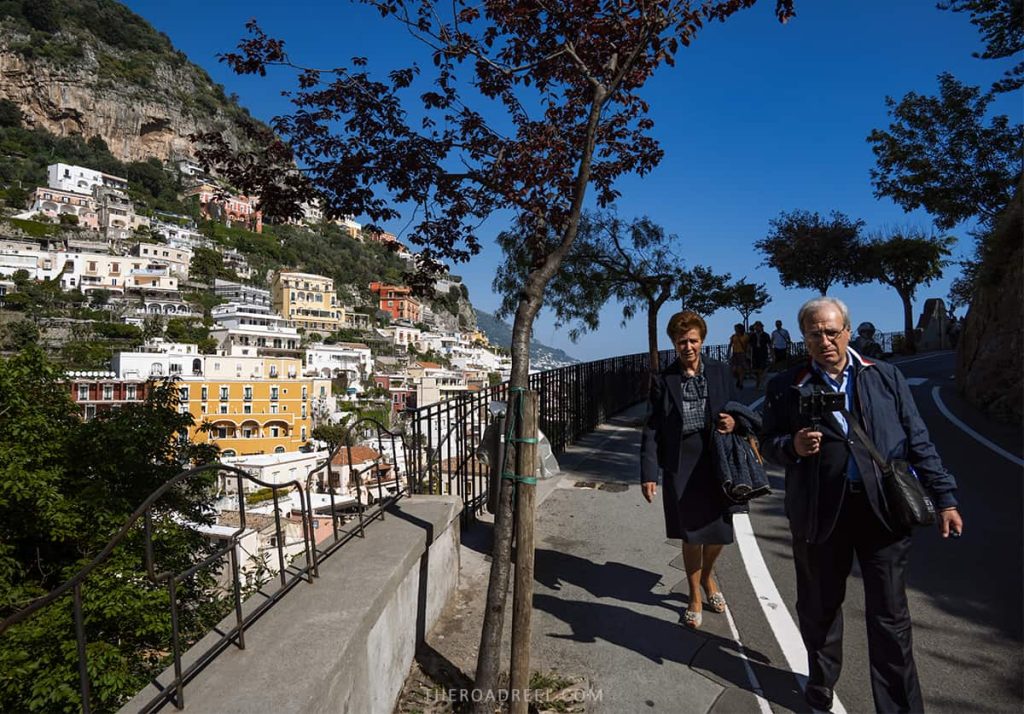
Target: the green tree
pixel 811 251
pixel 65 487
pixel 939 154
pixel 905 259
pixel 10 114
pixel 747 298
pixel 1001 24
pixel 633 263
pixel 206 265
pixel 19 334
pixel 43 15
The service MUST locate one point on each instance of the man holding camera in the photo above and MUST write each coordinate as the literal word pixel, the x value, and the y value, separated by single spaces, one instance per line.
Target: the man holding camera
pixel 835 503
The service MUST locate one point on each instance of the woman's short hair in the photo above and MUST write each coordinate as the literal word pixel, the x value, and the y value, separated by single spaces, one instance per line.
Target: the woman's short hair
pixel 682 322
pixel 815 304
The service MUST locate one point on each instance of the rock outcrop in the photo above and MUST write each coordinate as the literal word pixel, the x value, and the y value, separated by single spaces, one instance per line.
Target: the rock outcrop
pixel 141 105
pixel 990 373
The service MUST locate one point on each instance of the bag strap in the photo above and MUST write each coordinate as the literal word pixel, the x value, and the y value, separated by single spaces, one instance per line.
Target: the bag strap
pixel 851 421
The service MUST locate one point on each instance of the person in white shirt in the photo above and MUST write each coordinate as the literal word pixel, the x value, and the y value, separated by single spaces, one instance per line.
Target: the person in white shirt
pixel 780 342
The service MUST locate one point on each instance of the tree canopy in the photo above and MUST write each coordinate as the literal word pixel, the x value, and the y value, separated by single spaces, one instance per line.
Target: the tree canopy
pixel 905 259
pixel 811 251
pixel 939 154
pixel 747 298
pixel 1001 25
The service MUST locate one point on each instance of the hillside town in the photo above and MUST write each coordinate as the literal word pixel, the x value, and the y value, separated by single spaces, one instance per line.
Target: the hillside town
pixel 273 356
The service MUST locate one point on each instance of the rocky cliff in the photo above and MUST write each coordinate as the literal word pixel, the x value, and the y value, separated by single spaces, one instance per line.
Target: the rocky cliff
pixel 93 68
pixel 990 353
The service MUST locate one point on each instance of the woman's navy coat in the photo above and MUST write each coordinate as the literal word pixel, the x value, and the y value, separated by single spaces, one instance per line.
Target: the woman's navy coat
pixel 659 449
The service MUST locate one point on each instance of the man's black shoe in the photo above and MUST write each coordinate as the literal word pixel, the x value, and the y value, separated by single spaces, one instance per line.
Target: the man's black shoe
pixel 819 697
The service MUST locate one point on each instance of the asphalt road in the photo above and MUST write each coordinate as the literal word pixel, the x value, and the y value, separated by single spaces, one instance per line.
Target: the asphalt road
pixel 965 595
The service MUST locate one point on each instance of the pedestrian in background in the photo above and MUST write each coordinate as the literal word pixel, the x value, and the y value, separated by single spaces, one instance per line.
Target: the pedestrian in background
pixel 836 509
pixel 739 346
pixel 760 351
pixel 780 342
pixel 686 403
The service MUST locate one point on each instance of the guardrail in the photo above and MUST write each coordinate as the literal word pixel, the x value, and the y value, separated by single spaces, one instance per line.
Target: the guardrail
pixel 294 555
pixel 434 453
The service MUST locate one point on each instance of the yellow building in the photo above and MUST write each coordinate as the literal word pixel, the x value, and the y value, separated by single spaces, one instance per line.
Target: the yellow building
pixel 308 300
pixel 263 408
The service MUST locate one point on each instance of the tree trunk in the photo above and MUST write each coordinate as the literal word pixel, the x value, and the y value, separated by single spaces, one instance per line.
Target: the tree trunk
pixel 908 322
pixel 652 337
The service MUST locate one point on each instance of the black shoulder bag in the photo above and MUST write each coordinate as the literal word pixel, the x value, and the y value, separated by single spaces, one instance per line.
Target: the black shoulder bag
pixel 906 502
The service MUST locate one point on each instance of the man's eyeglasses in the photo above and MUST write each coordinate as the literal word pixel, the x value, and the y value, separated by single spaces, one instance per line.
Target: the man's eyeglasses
pixel 822 335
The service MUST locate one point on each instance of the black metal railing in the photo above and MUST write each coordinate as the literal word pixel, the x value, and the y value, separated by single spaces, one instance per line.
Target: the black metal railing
pixel 433 451
pixel 349 496
pixel 445 438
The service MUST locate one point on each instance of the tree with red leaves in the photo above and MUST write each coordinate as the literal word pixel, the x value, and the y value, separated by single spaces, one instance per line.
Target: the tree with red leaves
pixel 532 104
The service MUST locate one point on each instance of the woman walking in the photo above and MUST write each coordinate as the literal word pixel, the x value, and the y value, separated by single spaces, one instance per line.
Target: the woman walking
pixel 739 345
pixel 685 405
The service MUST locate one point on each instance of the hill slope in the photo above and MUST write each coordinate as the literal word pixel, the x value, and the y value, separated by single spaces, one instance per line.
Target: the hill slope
pixel 500 333
pixel 96 69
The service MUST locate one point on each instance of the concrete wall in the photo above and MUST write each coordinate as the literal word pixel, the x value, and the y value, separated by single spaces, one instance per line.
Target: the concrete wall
pixel 344 643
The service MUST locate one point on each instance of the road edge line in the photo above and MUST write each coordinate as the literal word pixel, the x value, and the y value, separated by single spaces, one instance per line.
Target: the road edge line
pixel 971 432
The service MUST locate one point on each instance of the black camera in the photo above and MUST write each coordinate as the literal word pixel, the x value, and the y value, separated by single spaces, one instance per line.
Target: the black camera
pixel 816 402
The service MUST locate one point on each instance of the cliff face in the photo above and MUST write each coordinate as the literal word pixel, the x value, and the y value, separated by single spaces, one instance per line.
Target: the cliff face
pixel 990 353
pixel 142 102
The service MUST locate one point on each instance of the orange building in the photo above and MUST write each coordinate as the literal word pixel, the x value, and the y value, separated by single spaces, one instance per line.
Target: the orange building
pixel 397 301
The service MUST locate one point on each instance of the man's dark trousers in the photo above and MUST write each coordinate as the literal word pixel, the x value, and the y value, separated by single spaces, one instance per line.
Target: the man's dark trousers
pixel 822 570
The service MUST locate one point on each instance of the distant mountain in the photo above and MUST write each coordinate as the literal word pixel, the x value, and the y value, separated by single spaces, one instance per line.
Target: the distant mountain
pixel 500 333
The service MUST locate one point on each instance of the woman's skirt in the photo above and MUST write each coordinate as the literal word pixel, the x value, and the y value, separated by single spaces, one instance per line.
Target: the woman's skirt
pixel 700 515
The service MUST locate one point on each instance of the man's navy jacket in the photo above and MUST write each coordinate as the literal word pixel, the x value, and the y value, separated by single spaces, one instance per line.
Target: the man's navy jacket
pixel 815 487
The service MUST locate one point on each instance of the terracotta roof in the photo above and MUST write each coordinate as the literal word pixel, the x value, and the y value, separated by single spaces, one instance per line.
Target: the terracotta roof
pixel 360 454
pixel 354 345
pixel 429 365
pixel 256 521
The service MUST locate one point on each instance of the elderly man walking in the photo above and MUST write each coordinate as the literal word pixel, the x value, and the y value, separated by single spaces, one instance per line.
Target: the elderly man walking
pixel 836 509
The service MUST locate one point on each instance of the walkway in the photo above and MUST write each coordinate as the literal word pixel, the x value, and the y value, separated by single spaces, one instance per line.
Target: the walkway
pixel 610 591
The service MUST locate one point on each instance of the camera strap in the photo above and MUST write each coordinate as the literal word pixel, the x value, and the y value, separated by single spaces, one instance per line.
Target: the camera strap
pixel 855 426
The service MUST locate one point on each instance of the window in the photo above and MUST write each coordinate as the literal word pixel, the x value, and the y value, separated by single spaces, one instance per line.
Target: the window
pixel 247 393
pixel 175 367
pixel 303 437
pixel 273 409
pixel 108 392
pixel 83 392
pixel 222 432
pixel 183 394
pixel 223 408
pixel 247 409
pixel 130 392
pixel 305 394
pixel 223 393
pixel 273 393
pixel 202 408
pixel 204 393
pixel 90 411
pixel 303 411
pixel 247 433
pixel 275 431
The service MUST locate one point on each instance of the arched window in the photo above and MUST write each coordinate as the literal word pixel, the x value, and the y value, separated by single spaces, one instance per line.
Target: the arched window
pixel 197 366
pixel 227 453
pixel 279 450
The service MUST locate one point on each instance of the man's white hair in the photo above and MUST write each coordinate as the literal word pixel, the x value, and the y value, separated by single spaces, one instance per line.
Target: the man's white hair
pixel 815 304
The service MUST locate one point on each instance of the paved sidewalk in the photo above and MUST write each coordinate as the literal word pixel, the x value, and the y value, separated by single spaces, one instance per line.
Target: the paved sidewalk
pixel 609 596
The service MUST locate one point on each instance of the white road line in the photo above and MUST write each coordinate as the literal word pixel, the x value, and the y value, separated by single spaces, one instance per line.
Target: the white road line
pixel 918 359
pixel 783 627
pixel 755 684
pixel 971 432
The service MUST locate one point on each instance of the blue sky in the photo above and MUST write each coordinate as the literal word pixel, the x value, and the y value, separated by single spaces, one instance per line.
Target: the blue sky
pixel 756 118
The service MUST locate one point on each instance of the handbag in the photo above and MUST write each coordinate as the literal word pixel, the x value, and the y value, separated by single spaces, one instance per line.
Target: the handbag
pixel 906 502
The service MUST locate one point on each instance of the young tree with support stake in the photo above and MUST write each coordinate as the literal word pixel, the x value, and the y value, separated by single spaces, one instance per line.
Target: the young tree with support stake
pixel 560 83
pixel 633 262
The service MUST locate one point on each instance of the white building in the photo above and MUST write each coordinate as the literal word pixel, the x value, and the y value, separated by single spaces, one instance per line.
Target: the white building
pixel 350 360
pixel 40 264
pixel 240 293
pixel 273 468
pixel 181 237
pixel 178 260
pixel 79 179
pixel 251 329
